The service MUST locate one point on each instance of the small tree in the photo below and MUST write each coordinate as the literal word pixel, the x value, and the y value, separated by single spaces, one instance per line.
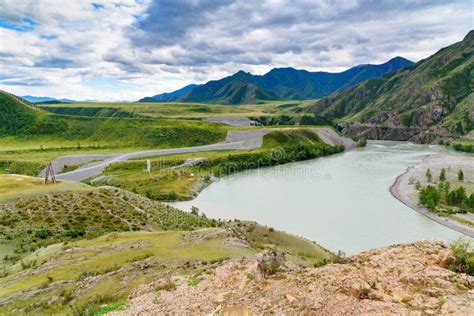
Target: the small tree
pixel 446 189
pixel 429 176
pixel 442 175
pixel 429 196
pixel 456 197
pixel 460 175
pixel 470 203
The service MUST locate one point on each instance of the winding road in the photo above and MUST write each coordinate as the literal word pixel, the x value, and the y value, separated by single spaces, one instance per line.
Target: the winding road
pixel 236 139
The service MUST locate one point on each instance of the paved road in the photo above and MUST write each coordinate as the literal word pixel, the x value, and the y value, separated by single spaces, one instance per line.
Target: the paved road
pixel 231 120
pixel 245 139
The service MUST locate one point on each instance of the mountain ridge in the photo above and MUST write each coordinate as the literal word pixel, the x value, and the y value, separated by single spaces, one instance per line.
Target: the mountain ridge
pixel 170 96
pixel 279 83
pixel 428 102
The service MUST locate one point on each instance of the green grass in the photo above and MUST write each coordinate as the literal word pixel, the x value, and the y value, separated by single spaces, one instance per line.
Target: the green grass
pixel 120 132
pixel 117 306
pixel 300 250
pixel 170 109
pixel 163 250
pixel 12 186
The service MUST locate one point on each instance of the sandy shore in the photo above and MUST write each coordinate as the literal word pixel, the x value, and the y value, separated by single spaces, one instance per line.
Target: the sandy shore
pixel 408 195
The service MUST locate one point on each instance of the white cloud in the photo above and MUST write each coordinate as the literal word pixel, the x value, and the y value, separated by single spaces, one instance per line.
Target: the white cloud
pixel 144 47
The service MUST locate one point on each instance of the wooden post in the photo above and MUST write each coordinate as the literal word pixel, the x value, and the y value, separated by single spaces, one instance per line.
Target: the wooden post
pixel 49 174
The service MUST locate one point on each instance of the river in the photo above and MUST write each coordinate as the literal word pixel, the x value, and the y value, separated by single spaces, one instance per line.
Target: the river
pixel 342 202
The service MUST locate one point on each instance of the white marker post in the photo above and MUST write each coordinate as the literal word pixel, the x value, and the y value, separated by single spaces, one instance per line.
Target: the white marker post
pixel 148 165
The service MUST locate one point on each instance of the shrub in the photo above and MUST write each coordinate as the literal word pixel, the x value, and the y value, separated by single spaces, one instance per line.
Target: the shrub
pixel 43 233
pixel 464 147
pixel 193 280
pixel 362 142
pixel 74 233
pixel 460 175
pixel 166 285
pixel 149 193
pixel 461 259
pixel 194 210
pixel 269 267
pixel 418 185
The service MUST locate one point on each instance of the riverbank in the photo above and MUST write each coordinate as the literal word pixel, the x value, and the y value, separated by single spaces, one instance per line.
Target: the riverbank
pixel 405 191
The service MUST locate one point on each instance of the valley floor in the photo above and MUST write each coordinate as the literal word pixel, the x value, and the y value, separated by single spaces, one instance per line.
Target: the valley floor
pixel 404 188
pixel 238 139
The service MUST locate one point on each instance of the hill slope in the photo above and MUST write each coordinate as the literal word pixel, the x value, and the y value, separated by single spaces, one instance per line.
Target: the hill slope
pixel 16 115
pixel 279 83
pixel 170 96
pixel 429 101
pixel 21 118
pixel 42 214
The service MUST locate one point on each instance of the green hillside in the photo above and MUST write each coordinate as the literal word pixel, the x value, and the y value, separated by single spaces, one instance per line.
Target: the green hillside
pixel 16 115
pixel 425 102
pixel 53 213
pixel 21 119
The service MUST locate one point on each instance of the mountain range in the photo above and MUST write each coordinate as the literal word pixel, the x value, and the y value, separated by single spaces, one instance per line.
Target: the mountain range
pixel 278 84
pixel 35 99
pixel 427 102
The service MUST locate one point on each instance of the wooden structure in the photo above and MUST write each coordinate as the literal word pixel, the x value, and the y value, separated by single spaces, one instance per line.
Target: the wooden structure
pixel 49 174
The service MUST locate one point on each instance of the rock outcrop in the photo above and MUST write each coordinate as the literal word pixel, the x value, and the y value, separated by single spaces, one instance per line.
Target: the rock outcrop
pixel 400 279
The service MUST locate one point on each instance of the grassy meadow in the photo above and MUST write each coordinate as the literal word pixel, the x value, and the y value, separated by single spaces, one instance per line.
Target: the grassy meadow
pixel 173 109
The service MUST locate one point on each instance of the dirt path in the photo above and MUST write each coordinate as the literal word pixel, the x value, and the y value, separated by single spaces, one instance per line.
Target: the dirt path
pixel 239 139
pixel 407 194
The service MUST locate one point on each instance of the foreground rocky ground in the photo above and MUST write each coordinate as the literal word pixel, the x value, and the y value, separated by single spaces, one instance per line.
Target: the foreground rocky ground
pixel 400 279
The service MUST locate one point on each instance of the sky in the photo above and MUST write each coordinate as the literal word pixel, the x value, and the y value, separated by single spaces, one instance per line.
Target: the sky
pixel 118 50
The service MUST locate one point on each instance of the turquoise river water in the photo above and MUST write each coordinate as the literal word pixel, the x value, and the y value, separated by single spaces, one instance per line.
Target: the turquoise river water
pixel 342 202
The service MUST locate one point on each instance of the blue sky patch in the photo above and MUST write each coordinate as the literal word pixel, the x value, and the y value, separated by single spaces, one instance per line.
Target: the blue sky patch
pixel 48 37
pixel 27 25
pixel 97 6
